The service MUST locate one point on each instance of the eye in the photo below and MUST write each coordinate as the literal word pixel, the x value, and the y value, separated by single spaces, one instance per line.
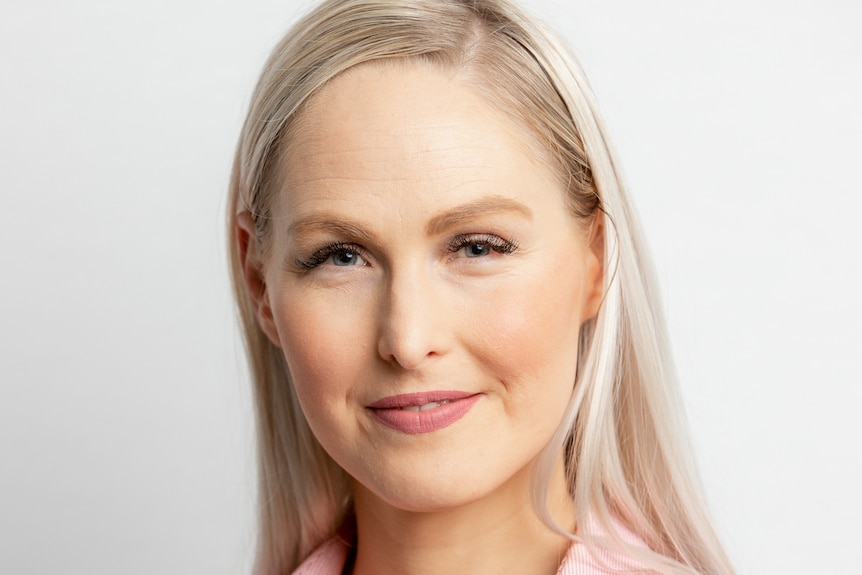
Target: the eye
pixel 477 249
pixel 337 254
pixel 346 258
pixel 480 245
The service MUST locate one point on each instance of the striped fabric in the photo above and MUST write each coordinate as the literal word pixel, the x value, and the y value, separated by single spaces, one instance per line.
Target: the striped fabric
pixel 328 559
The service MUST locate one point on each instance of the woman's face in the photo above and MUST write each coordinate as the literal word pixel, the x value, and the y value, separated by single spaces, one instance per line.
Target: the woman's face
pixel 426 283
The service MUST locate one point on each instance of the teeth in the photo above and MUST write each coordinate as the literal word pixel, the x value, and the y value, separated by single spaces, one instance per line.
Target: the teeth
pixel 425 407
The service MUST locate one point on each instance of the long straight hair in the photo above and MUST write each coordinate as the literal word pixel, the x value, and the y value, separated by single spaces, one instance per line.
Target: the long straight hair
pixel 627 460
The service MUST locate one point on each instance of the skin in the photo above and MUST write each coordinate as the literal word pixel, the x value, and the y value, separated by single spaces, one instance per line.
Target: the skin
pixel 465 271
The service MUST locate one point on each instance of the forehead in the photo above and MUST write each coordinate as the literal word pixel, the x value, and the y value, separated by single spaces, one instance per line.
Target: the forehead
pixel 405 129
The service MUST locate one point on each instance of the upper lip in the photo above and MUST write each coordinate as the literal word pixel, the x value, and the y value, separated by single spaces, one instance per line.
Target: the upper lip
pixel 419 399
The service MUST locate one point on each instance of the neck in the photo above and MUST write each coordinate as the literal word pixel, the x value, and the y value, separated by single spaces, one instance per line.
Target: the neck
pixel 497 534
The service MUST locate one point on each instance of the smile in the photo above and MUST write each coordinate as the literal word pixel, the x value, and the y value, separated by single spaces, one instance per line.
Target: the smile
pixel 423 412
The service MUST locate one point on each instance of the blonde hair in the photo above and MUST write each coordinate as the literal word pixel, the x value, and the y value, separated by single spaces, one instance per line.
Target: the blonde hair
pixel 626 458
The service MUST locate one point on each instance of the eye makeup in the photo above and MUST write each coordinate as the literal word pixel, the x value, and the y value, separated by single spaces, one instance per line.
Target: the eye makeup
pixel 340 254
pixel 479 245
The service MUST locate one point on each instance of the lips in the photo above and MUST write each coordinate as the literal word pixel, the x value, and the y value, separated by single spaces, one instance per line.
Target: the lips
pixel 425 412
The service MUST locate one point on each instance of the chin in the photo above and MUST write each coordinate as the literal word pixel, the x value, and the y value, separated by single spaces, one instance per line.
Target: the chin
pixel 425 490
pixel 420 498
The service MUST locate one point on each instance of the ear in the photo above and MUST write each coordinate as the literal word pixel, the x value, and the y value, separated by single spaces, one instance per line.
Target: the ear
pixel 595 272
pixel 252 273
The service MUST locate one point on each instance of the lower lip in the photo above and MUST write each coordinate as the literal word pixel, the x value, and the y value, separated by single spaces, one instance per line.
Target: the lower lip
pixel 414 422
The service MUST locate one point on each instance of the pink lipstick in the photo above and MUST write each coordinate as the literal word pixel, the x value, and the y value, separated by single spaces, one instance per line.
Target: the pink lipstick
pixel 423 412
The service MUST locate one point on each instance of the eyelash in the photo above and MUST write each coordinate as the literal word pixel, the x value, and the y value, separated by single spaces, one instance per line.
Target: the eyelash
pixel 456 244
pixel 323 254
pixel 495 243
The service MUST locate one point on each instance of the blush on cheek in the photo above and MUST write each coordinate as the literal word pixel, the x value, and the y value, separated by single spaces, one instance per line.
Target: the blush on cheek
pixel 312 349
pixel 533 338
pixel 321 378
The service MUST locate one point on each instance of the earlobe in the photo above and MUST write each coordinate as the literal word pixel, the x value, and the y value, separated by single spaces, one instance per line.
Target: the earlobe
pixel 252 272
pixel 595 266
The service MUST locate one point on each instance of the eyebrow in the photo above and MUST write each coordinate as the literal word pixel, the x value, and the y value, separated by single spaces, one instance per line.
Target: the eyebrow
pixel 324 221
pixel 486 206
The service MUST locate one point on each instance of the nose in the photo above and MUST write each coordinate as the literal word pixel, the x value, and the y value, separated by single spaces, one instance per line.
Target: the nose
pixel 412 320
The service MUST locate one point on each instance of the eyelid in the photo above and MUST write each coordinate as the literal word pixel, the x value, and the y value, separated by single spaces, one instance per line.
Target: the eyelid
pixel 319 256
pixel 497 243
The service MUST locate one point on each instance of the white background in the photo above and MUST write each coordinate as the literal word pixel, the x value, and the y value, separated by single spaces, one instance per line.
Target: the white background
pixel 125 421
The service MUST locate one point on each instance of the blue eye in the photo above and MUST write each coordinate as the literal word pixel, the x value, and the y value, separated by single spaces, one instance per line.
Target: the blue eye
pixel 345 258
pixel 477 249
pixel 337 254
pixel 480 245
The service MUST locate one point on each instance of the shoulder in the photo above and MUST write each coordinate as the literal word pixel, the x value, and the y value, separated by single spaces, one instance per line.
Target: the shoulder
pixel 584 560
pixel 328 559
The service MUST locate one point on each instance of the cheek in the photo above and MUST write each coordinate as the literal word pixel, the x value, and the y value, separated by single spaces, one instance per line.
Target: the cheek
pixel 531 337
pixel 323 352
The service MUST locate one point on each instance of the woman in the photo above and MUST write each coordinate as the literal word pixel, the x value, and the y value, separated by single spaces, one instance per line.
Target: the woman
pixel 458 359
